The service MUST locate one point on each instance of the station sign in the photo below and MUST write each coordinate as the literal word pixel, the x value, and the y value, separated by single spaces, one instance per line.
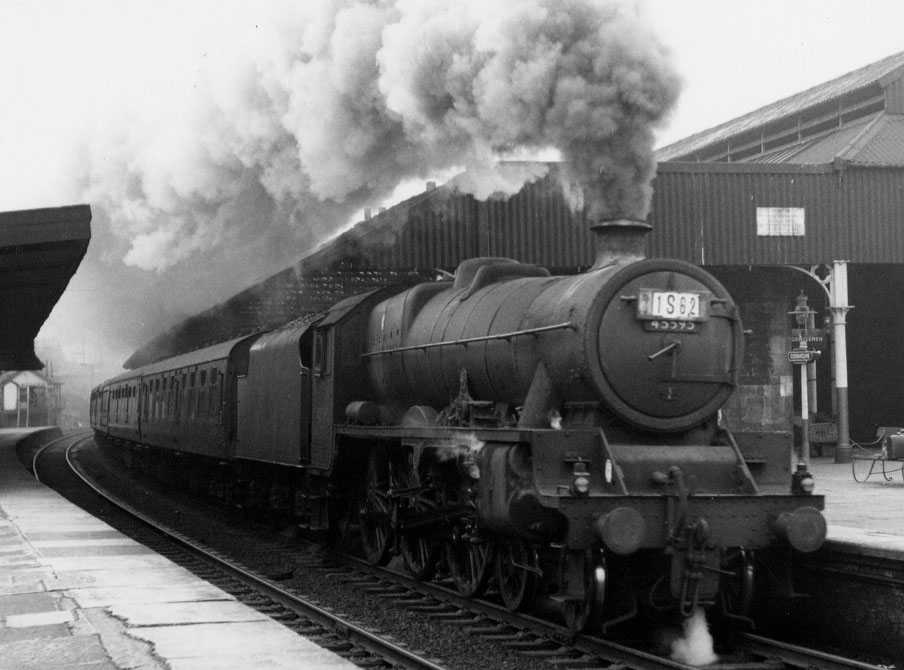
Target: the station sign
pixel 803 338
pixel 802 356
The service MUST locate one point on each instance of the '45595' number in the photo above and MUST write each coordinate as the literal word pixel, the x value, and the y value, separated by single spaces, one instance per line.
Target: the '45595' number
pixel 680 326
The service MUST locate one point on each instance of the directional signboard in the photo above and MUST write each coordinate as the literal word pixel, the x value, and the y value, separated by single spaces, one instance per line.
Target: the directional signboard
pixel 802 356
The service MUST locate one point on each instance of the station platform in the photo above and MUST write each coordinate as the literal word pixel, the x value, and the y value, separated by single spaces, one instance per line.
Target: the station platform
pixel 75 593
pixel 868 516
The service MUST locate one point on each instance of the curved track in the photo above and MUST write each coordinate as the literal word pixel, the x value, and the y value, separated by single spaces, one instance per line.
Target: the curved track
pixel 326 629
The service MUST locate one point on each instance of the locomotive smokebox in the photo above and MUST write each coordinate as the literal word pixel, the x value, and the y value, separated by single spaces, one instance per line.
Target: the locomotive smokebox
pixel 620 241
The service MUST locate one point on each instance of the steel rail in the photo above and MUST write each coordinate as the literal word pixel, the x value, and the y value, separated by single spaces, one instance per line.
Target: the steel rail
pixel 772 651
pixel 800 657
pixel 614 652
pixel 359 636
pixel 43 447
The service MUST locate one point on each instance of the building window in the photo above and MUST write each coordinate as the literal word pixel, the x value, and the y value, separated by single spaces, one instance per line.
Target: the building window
pixel 10 397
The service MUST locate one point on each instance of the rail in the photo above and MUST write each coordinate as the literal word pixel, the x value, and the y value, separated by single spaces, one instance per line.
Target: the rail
pixel 362 638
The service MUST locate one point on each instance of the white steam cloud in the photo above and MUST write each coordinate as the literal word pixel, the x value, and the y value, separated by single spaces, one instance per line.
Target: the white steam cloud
pixel 695 646
pixel 365 94
pixel 218 141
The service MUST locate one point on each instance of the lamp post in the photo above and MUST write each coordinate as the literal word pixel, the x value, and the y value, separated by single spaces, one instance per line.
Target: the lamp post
pixel 802 357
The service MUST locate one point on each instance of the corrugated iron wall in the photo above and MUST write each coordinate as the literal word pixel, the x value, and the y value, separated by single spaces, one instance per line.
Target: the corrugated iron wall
pixel 707 213
pixel 535 226
pixel 703 213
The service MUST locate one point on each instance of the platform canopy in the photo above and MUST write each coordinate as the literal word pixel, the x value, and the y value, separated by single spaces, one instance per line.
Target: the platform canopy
pixel 40 250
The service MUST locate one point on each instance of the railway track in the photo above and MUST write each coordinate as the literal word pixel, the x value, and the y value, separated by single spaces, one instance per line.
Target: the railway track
pixel 541 638
pixel 526 635
pixel 327 629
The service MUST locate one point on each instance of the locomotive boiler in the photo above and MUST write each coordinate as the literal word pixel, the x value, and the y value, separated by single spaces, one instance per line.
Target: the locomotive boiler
pixel 556 436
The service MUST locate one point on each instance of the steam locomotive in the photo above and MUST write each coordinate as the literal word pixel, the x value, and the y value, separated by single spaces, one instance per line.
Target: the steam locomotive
pixel 558 437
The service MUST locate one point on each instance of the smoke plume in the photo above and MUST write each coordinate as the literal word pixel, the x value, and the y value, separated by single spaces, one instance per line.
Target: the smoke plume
pixel 217 142
pixel 365 94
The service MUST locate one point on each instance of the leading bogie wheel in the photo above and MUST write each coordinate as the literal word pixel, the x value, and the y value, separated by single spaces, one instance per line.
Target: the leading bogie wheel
pixel 585 598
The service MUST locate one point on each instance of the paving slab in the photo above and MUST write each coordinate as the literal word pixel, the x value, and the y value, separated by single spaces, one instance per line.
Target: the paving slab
pixel 51 653
pixel 162 575
pixel 261 662
pixel 164 614
pixel 75 593
pixel 27 603
pixel 207 642
pixel 103 597
pixel 48 618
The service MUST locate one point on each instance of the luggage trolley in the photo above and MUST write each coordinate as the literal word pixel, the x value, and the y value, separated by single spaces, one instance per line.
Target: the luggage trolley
pixel 884 455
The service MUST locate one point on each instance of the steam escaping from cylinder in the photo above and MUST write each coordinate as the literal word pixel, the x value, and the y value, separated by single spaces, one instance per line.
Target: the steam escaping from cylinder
pixel 695 646
pixel 467 445
pixel 464 449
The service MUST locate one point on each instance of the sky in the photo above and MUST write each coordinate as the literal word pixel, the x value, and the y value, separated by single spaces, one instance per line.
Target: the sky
pixel 99 95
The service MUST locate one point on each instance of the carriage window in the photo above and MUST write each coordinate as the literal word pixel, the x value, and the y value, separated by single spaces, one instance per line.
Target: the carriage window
pixel 305 345
pixel 191 379
pixel 203 377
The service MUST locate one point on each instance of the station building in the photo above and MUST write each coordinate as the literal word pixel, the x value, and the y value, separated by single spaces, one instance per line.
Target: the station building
pixel 803 197
pixel 29 398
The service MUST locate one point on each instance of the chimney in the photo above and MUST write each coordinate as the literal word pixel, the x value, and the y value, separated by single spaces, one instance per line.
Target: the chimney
pixel 619 241
pixel 431 186
pixel 367 213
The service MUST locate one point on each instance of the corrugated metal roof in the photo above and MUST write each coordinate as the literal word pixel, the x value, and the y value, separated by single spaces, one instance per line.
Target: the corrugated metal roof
pixel 819 150
pixel 882 146
pixel 875 141
pixel 871 74
pixel 826 149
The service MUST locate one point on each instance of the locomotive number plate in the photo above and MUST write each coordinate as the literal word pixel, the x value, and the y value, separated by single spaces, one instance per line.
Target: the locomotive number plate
pixel 678 326
pixel 672 306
